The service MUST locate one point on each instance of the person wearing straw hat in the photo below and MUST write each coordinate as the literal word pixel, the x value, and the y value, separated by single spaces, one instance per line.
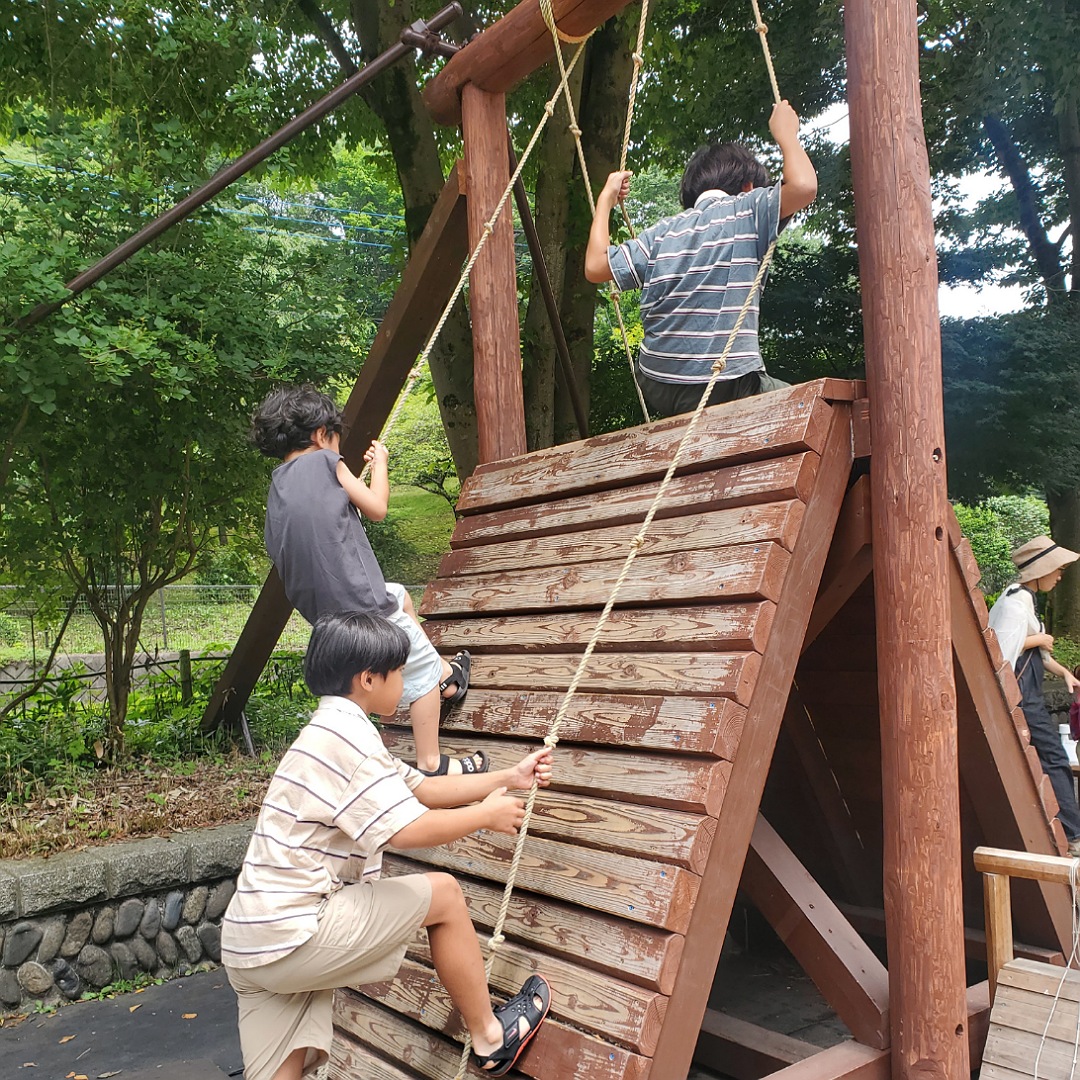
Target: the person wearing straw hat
pixel 1026 645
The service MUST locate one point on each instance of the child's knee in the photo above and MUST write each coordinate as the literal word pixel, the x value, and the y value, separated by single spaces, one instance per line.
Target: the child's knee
pixel 447 899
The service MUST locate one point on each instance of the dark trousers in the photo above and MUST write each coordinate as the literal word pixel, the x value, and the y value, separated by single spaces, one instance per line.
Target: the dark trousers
pixel 1046 739
pixel 671 399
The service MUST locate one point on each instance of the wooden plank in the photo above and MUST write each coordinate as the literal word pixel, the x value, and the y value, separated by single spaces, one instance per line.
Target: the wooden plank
pixel 1018 1050
pixel 843 389
pixel 845 1061
pixel 729 675
pixel 860 876
pixel 746 1051
pixel 426 284
pixel 553 1054
pixel 746 484
pixel 998 921
pixel 688 725
pixel 850 559
pixel 842 966
pixel 718 628
pixel 777 523
pixel 746 572
pixel 1036 1011
pixel 350 1058
pixel 769 425
pixel 634 952
pixel 497 390
pixel 611 1008
pixel 1024 864
pixel 695 785
pixel 511 49
pixel 718 884
pixel 656 894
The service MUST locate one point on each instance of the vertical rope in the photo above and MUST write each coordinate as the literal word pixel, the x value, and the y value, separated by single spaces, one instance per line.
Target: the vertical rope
pixel 763 33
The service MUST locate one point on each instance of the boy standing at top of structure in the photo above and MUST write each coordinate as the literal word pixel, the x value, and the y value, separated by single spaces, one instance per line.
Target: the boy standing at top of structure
pixel 695 270
pixel 316 540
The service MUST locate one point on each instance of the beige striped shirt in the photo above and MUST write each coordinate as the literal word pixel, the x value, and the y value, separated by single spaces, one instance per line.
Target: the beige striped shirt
pixel 337 798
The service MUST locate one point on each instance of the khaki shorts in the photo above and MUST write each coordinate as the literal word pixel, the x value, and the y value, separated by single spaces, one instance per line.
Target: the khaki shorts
pixel 423 668
pixel 286 1004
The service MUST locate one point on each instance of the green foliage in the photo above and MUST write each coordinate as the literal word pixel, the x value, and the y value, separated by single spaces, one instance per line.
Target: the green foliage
pixel 419 453
pixel 10 630
pixel 995 527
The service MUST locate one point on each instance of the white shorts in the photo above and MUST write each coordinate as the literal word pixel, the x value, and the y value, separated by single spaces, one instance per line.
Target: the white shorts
pixel 423 668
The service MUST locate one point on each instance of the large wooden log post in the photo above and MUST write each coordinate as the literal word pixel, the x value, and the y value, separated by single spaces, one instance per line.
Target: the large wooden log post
pixel 500 407
pixel 898 269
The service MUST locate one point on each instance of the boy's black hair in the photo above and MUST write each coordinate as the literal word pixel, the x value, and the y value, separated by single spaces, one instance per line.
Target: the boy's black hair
pixel 348 642
pixel 288 418
pixel 728 166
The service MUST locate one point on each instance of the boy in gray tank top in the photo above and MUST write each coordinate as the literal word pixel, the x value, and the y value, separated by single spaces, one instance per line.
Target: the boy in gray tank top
pixel 316 540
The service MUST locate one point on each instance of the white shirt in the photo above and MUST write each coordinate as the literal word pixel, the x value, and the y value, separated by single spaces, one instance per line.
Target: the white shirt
pixel 1013 619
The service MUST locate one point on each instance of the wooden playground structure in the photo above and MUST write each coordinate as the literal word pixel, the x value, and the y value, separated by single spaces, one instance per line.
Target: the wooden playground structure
pixel 796 696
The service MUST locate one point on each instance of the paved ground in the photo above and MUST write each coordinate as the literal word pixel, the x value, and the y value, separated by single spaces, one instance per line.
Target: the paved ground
pixel 184 1030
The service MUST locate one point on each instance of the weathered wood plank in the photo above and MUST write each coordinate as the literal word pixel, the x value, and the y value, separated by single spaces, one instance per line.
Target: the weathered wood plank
pixel 349 1058
pixel 716 628
pixel 632 951
pixel 1038 978
pixel 1018 1050
pixel 729 675
pixel 768 426
pixel 845 1061
pixel 1035 1011
pixel 771 523
pixel 746 1051
pixel 696 785
pixel 848 974
pixel 710 915
pixel 747 572
pixel 640 890
pixel 687 725
pixel 773 480
pixel 613 1009
pixel 557 1052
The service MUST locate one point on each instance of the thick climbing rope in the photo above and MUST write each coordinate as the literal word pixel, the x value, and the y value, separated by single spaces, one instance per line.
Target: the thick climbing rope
pixel 637 543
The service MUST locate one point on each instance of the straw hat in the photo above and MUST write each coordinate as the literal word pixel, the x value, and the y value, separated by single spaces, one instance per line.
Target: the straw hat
pixel 1039 557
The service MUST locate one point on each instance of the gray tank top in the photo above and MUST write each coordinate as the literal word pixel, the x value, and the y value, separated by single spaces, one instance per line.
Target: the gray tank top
pixel 317 542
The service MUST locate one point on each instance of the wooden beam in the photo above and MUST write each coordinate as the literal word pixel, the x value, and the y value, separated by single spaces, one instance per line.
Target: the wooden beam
pixel 719 882
pixel 848 975
pixel 920 784
pixel 500 405
pixel 510 50
pixel 857 869
pixel 426 284
pixel 746 1051
pixel 850 561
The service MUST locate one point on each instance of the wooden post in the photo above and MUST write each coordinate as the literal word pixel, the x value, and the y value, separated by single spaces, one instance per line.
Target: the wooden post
pixel 898 269
pixel 500 405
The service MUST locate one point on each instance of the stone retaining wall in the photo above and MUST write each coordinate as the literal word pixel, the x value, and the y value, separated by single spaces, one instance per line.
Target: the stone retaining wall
pixel 78 921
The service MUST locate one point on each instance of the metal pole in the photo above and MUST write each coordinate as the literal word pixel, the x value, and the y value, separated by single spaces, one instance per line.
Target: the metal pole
pixel 244 164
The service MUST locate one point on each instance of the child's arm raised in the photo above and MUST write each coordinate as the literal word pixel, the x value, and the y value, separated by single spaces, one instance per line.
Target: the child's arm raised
pixel 372 500
pixel 799 188
pixel 447 819
pixel 597 267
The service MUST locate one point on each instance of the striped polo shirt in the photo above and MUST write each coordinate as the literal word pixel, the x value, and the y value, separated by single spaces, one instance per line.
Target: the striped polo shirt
pixel 337 798
pixel 694 271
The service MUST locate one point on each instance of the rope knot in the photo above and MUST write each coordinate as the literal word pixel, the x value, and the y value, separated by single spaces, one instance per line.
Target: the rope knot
pixel 719 365
pixel 638 59
pixel 549 108
pixel 497 940
pixel 762 28
pixel 638 542
pixel 575 130
pixel 551 741
pixel 489 228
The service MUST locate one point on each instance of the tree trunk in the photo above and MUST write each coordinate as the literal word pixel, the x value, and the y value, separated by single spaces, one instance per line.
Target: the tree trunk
pixel 1069 140
pixel 395 98
pixel 552 213
pixel 608 68
pixel 1064 605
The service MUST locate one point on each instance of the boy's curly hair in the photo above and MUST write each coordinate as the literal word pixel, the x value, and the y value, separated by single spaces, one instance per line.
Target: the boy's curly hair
pixel 288 418
pixel 727 166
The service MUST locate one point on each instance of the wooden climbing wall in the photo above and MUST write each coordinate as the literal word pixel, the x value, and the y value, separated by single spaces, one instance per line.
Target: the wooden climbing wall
pixel 747 618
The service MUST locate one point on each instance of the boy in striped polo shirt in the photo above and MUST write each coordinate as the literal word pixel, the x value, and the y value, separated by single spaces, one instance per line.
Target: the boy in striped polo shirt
pixel 695 270
pixel 310 912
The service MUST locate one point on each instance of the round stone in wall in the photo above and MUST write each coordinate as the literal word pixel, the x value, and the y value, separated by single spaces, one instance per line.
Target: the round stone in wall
pixel 174 909
pixel 103 925
pixel 10 991
pixel 210 936
pixel 166 949
pixel 128 918
pixel 67 979
pixel 151 920
pixel 35 979
pixel 127 966
pixel 78 933
pixel 195 904
pixel 22 940
pixel 219 899
pixel 95 966
pixel 52 938
pixel 188 940
pixel 144 952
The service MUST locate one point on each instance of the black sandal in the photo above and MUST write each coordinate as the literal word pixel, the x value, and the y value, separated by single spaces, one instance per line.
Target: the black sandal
pixel 468 763
pixel 522 1004
pixel 460 667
